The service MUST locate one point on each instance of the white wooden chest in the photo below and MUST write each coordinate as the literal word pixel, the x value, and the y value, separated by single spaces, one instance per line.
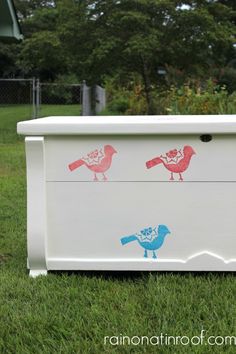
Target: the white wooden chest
pixel 131 193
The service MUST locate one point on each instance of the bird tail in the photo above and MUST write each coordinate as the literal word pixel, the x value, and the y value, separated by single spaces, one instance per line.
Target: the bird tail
pixel 154 162
pixel 128 239
pixel 72 166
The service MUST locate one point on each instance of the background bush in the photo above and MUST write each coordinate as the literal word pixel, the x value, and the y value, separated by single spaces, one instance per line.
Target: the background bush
pixel 194 97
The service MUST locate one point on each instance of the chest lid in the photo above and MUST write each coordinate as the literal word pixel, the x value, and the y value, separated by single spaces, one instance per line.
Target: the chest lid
pixel 129 125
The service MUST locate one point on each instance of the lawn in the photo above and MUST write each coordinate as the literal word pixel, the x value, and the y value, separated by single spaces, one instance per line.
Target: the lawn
pixel 11 114
pixel 72 312
pixel 59 110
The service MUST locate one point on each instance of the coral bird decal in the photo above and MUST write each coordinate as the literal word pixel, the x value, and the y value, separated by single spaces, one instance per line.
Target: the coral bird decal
pixel 175 161
pixel 97 161
pixel 151 239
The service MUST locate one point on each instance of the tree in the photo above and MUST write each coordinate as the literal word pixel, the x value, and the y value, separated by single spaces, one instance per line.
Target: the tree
pixel 41 56
pixel 8 54
pixel 26 8
pixel 40 52
pixel 141 35
pixel 129 35
pixel 97 38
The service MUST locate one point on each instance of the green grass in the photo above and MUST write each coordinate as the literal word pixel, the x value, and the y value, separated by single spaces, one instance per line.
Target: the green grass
pixel 72 312
pixel 60 110
pixel 9 115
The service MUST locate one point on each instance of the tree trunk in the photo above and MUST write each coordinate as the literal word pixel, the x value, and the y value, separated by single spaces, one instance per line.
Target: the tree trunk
pixel 147 88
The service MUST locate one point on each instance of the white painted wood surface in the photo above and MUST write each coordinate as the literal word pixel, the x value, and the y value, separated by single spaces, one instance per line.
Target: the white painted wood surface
pixel 126 125
pixel 76 223
pixel 36 206
pixel 101 214
pixel 213 161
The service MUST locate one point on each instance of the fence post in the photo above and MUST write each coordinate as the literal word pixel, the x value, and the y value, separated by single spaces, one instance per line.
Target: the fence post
pixel 34 113
pixel 37 98
pixel 100 99
pixel 86 102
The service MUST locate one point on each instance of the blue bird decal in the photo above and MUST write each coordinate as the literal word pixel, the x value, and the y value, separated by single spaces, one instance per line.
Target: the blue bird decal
pixel 151 239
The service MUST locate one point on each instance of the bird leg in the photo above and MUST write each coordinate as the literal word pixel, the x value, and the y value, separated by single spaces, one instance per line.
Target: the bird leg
pixel 145 254
pixel 104 177
pixel 95 177
pixel 154 254
pixel 171 177
pixel 180 177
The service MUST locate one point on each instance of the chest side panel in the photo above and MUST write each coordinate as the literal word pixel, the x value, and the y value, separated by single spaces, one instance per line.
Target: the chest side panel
pixel 138 158
pixel 89 220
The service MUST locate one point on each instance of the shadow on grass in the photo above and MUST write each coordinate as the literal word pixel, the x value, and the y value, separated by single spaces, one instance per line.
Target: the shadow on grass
pixel 137 275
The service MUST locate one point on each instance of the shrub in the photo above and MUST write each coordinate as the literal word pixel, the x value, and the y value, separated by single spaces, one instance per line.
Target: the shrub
pixel 119 104
pixel 227 78
pixel 194 97
pixel 127 100
pixel 205 99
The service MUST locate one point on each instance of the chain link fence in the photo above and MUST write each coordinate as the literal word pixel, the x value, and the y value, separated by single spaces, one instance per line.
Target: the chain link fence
pixel 54 99
pixel 17 92
pixel 16 103
pixel 30 98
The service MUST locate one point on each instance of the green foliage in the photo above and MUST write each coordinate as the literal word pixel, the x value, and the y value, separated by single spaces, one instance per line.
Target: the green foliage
pixel 41 55
pixel 61 91
pixel 137 104
pixel 227 77
pixel 119 105
pixel 195 99
pixel 8 55
pixel 101 36
pixel 43 19
pixel 97 39
pixel 129 99
pixel 26 8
